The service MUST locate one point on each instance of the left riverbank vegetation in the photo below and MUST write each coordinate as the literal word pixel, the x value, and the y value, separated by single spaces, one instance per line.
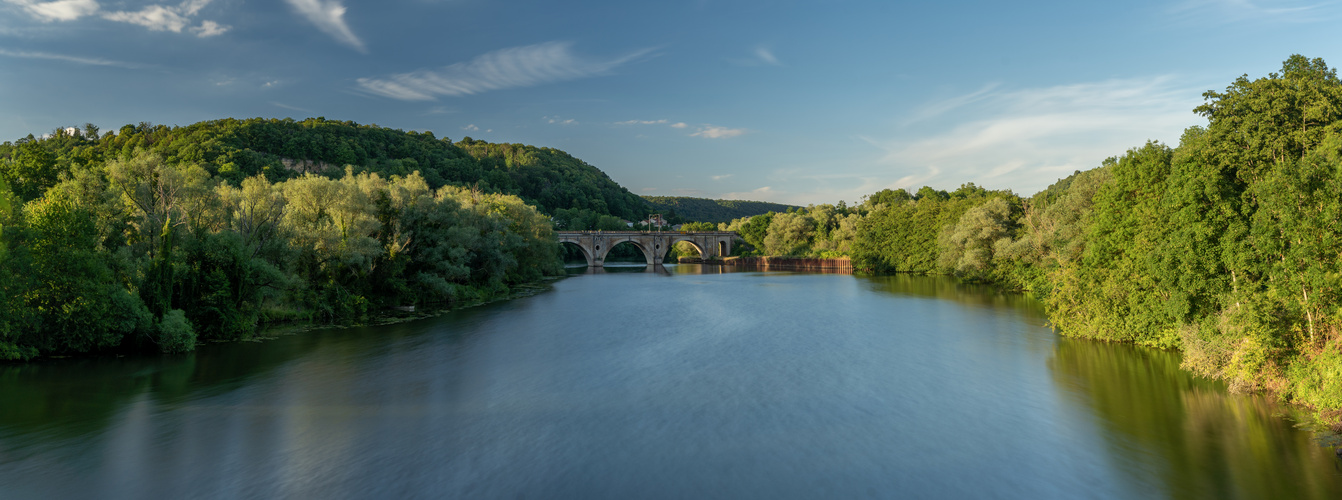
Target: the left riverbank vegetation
pixel 1226 247
pixel 130 242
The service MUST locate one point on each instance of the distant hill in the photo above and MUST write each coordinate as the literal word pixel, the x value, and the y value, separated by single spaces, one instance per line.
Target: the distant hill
pixel 706 210
pixel 234 149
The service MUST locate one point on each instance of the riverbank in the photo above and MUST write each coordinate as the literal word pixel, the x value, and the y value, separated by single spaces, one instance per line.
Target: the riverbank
pixel 396 315
pixel 766 263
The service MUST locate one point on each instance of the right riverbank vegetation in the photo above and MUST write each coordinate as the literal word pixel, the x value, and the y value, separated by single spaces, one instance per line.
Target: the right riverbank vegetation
pixel 1226 247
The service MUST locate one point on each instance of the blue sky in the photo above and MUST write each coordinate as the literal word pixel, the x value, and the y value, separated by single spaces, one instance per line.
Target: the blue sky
pixel 787 101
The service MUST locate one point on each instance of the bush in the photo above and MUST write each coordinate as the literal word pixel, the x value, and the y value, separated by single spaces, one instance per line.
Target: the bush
pixel 175 334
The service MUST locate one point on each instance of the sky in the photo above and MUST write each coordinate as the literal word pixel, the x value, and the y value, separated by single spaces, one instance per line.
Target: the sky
pixel 786 101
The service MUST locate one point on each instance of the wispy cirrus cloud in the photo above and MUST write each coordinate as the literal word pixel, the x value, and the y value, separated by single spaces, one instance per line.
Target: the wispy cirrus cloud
pixel 641 122
pixel 329 17
pixel 68 58
pixel 174 18
pixel 1221 11
pixel 59 10
pixel 754 194
pixel 1036 135
pixel 766 56
pixel 761 55
pixel 653 122
pixel 515 67
pixel 289 107
pixel 716 132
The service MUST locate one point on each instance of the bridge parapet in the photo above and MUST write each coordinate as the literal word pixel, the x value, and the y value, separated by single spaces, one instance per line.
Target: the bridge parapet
pixel 596 245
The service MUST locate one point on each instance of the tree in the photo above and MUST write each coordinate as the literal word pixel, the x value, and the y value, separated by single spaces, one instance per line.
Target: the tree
pixel 31 171
pixel 78 307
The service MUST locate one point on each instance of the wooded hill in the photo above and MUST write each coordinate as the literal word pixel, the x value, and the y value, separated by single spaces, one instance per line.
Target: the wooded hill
pixel 715 211
pixel 235 149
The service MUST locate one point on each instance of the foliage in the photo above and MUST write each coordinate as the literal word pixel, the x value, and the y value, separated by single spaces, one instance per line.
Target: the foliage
pixel 140 252
pixel 175 334
pixel 234 149
pixel 713 211
pixel 1225 247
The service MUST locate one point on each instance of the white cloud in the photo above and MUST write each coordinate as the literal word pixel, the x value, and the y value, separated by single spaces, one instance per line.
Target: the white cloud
pixel 154 17
pixel 502 69
pixel 60 10
pixel 329 17
pixel 679 125
pixel 1037 135
pixel 170 18
pixel 715 132
pixel 210 28
pixel 67 58
pixel 471 128
pixel 721 177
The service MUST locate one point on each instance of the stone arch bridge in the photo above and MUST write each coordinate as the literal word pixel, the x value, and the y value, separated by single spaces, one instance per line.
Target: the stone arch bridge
pixel 654 245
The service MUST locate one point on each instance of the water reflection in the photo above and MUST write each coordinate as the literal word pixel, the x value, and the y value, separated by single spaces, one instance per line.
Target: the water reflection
pixel 1198 440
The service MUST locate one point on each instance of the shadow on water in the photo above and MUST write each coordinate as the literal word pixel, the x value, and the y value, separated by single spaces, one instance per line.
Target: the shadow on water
pixel 1160 421
pixel 951 289
pixel 57 399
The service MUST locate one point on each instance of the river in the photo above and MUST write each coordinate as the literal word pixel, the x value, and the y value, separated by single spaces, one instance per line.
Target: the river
pixel 691 382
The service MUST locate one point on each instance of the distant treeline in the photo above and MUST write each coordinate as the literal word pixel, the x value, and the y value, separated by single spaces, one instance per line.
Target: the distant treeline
pixel 715 211
pixel 1227 247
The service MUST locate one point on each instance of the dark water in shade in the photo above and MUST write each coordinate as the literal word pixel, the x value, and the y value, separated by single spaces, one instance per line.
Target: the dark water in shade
pixel 660 385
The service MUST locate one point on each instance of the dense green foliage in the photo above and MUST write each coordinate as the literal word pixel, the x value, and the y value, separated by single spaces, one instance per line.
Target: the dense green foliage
pixel 714 211
pixel 1226 247
pixel 141 252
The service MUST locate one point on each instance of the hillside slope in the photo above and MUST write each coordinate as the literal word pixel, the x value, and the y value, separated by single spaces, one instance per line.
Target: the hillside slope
pixel 235 149
pixel 706 210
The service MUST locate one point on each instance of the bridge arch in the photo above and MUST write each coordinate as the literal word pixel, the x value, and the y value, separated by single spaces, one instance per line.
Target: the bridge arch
pixel 586 255
pixel 679 238
pixel 641 246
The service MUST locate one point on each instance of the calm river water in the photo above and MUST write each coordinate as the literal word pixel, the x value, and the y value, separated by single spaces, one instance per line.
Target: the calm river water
pixel 670 384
